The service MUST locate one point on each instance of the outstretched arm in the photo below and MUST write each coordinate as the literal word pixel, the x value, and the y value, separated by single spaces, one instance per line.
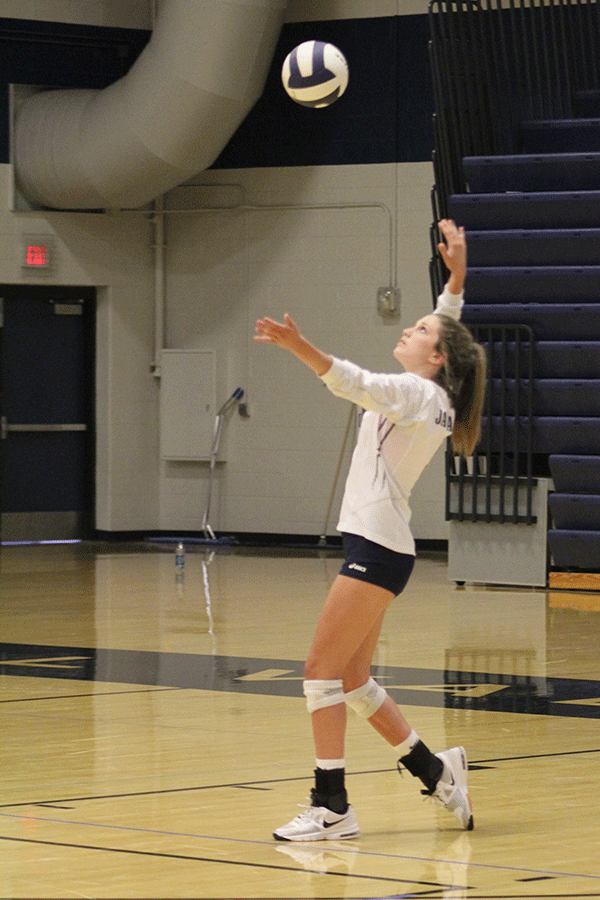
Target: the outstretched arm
pixel 453 251
pixel 287 335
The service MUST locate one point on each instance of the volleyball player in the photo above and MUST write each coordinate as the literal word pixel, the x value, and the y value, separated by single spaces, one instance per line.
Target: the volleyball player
pixel 407 417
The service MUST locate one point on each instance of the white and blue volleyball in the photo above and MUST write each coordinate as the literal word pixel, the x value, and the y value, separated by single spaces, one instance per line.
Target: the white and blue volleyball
pixel 315 74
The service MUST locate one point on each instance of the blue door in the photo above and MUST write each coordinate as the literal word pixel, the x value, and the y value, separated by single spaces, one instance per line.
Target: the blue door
pixel 47 394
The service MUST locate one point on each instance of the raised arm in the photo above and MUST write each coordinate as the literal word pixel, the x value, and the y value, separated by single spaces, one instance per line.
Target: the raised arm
pixel 287 335
pixel 453 250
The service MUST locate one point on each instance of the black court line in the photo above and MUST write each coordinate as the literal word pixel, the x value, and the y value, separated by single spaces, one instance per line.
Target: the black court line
pixel 450 689
pixel 432 889
pixel 163 690
pixel 572 895
pixel 539 875
pixel 260 785
pixel 436 885
pixel 534 756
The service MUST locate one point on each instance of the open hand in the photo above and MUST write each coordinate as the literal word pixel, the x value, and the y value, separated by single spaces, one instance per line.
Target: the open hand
pixel 285 334
pixel 453 249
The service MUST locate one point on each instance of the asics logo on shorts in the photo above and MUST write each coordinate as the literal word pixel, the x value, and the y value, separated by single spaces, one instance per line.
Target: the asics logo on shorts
pixel 357 567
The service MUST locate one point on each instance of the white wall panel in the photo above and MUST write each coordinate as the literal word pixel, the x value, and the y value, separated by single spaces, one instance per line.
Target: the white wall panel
pixel 323 266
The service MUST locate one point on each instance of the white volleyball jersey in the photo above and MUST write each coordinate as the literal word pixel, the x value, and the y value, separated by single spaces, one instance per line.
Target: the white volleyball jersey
pixel 406 419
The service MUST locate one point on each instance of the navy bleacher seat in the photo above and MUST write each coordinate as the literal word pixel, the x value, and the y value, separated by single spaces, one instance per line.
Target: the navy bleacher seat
pixel 551 284
pixel 556 434
pixel 567 359
pixel 562 209
pixel 550 397
pixel 561 136
pixel 551 434
pixel 577 512
pixel 575 549
pixel 551 359
pixel 533 247
pixel 575 474
pixel 533 172
pixel 552 321
pixel 588 103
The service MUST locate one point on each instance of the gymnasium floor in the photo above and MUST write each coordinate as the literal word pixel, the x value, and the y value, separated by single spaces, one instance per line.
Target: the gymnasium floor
pixel 153 733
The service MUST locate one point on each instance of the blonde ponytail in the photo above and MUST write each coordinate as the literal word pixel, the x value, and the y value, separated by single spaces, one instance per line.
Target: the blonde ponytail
pixel 463 377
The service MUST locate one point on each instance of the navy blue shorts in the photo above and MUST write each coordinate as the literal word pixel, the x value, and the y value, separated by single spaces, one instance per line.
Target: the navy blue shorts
pixel 375 564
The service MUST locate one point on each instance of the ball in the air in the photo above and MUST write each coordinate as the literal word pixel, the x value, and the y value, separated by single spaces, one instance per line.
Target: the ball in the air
pixel 315 74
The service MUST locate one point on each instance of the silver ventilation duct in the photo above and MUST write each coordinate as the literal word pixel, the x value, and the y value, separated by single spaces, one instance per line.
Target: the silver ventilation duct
pixel 167 119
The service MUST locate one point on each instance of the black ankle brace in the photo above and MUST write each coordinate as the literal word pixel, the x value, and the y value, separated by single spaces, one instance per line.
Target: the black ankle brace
pixel 337 803
pixel 421 763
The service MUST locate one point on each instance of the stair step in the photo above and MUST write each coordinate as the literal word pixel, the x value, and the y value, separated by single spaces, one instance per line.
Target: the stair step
pixel 575 549
pixel 575 474
pixel 561 136
pixel 564 209
pixel 575 512
pixel 551 359
pixel 550 284
pixel 588 103
pixel 529 247
pixel 575 581
pixel 550 397
pixel 550 434
pixel 533 172
pixel 549 322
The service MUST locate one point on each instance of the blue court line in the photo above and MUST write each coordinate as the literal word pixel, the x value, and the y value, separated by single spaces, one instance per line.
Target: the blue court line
pixel 352 849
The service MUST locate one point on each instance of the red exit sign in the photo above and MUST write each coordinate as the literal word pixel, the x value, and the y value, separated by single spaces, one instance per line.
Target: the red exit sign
pixel 37 252
pixel 37 256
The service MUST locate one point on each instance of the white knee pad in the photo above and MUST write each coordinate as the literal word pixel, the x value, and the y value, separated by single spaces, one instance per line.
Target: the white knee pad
pixel 366 699
pixel 320 694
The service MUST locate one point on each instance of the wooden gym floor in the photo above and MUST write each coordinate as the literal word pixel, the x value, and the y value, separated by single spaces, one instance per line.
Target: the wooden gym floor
pixel 153 732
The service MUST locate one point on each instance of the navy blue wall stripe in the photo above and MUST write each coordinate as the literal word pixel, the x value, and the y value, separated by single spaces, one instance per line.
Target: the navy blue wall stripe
pixel 384 116
pixel 63 56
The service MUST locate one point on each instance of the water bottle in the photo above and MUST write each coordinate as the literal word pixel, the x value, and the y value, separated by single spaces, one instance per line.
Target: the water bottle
pixel 179 568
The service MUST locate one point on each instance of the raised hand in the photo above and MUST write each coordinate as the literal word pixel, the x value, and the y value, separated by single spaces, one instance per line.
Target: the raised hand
pixel 453 250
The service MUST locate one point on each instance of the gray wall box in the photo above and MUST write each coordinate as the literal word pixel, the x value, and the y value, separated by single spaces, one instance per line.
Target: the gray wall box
pixel 490 553
pixel 187 404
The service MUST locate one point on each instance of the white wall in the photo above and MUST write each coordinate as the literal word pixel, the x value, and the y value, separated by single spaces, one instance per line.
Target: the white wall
pixel 223 270
pixel 323 266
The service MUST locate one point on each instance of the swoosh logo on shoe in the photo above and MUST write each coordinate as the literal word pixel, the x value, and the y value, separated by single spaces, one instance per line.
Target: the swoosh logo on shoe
pixel 329 824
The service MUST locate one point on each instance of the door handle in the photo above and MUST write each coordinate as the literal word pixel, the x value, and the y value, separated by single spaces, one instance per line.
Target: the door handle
pixel 5 427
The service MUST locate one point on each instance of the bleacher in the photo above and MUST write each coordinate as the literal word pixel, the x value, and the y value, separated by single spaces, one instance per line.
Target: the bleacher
pixel 527 190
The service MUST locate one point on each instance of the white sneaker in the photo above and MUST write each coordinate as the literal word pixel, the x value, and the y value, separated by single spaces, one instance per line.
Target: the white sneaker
pixel 317 823
pixel 451 789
